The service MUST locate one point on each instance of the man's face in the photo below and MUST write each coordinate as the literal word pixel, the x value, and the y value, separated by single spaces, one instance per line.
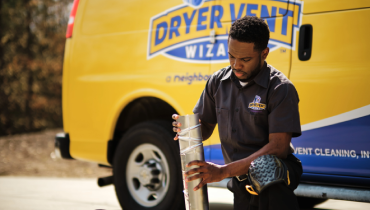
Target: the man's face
pixel 244 60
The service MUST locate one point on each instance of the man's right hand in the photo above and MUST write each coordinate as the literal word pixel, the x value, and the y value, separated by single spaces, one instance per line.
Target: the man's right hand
pixel 176 126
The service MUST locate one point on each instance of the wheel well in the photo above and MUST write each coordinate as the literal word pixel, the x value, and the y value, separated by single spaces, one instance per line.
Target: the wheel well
pixel 137 111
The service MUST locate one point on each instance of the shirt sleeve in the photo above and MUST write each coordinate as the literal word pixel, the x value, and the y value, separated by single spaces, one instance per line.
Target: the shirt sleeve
pixel 205 106
pixel 283 110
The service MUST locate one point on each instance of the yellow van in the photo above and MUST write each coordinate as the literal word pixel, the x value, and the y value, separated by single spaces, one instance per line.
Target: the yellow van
pixel 130 65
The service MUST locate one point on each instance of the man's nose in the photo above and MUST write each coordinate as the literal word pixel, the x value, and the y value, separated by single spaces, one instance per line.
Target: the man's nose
pixel 237 64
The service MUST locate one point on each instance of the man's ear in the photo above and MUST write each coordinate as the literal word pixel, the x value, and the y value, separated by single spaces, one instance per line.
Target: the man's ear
pixel 265 53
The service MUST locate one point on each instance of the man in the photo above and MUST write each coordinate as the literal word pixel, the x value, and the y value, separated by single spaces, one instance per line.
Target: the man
pixel 256 109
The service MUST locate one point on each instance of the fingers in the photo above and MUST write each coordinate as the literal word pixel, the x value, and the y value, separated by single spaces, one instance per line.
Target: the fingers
pixel 200 185
pixel 196 163
pixel 195 170
pixel 176 129
pixel 176 124
pixel 194 177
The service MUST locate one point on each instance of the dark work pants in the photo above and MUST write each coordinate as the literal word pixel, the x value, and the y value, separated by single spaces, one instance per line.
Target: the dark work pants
pixel 276 197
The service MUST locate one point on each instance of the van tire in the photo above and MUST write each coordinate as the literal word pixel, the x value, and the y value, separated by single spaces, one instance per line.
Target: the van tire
pixel 148 148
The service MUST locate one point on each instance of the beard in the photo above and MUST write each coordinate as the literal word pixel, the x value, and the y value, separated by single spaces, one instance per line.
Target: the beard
pixel 253 73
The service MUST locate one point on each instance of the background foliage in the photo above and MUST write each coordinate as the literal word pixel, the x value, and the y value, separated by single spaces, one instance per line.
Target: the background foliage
pixel 32 38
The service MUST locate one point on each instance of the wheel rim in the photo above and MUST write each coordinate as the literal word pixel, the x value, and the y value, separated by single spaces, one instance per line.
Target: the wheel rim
pixel 147 175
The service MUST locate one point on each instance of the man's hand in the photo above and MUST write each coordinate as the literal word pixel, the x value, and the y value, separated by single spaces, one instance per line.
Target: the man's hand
pixel 208 172
pixel 207 128
pixel 176 126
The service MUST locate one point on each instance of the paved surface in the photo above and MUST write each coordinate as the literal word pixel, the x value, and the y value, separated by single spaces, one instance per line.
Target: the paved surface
pixel 25 193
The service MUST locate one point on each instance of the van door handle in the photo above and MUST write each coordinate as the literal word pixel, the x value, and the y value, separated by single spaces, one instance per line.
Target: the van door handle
pixel 305 42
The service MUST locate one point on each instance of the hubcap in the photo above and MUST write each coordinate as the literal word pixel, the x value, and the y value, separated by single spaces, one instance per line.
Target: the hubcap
pixel 147 175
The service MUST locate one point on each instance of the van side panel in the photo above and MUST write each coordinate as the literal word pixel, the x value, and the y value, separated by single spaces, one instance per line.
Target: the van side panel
pixel 110 63
pixel 65 85
pixel 334 103
pixel 316 6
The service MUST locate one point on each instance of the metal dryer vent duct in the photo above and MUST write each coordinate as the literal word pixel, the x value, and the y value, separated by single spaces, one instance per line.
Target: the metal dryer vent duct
pixel 191 148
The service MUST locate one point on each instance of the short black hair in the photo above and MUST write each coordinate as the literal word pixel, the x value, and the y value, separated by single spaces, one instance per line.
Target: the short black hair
pixel 251 29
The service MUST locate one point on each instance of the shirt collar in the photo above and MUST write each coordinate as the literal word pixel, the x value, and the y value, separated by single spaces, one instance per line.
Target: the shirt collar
pixel 261 79
pixel 263 76
pixel 228 74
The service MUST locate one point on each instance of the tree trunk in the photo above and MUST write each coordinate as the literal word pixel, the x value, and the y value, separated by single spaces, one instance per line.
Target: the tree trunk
pixel 3 96
pixel 29 58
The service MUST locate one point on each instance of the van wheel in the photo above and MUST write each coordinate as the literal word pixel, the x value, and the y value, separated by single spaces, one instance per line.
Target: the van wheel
pixel 147 170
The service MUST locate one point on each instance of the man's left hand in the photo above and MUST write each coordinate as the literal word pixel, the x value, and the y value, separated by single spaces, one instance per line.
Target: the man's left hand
pixel 208 172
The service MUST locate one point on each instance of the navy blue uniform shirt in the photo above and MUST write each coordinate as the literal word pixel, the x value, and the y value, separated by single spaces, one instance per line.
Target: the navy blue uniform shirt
pixel 246 115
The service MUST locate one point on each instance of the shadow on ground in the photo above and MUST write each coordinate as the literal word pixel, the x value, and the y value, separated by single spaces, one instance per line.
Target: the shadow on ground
pixel 220 206
pixel 223 206
pixel 315 209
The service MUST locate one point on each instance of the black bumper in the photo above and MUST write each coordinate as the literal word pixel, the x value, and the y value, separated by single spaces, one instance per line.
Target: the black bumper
pixel 62 146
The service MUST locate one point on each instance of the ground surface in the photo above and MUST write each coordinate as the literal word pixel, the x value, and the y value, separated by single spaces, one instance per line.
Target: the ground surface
pixel 43 193
pixel 33 155
pixel 32 178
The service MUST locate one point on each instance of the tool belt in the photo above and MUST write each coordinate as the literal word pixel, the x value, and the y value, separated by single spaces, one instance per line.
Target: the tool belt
pixel 264 171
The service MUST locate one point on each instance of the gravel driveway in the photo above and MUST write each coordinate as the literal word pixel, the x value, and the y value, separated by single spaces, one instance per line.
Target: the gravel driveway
pixel 33 155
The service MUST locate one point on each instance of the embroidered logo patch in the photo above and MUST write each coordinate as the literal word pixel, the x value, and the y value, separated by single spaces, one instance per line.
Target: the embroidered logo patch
pixel 256 105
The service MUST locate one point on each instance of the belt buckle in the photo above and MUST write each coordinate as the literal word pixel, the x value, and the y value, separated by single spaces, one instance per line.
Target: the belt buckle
pixel 242 177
